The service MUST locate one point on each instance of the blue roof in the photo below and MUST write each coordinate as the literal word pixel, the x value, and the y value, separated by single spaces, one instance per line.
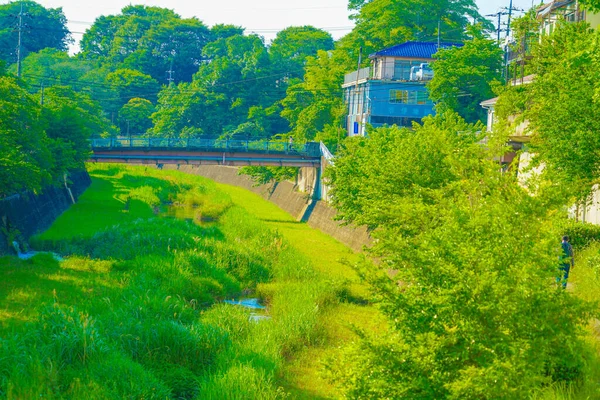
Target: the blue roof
pixel 414 50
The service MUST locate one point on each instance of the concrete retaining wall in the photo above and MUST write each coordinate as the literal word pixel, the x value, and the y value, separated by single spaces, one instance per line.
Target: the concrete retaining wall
pixel 317 214
pixel 31 214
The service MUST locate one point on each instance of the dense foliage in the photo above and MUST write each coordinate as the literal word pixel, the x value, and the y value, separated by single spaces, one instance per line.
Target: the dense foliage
pixel 218 81
pixel 385 23
pixel 465 76
pixel 40 143
pixel 25 159
pixel 44 27
pixel 557 111
pixel 475 309
pixel 563 104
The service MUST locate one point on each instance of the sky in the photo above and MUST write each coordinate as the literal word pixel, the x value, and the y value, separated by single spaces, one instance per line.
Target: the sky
pixel 265 17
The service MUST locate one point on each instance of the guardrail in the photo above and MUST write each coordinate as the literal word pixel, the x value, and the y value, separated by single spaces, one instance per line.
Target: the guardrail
pixel 310 149
pixel 326 154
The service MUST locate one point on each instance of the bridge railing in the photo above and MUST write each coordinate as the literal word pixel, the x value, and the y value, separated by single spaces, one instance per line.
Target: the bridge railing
pixel 310 149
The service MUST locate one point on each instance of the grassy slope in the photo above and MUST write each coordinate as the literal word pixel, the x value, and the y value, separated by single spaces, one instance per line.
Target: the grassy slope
pixel 304 374
pixel 149 277
pixel 584 282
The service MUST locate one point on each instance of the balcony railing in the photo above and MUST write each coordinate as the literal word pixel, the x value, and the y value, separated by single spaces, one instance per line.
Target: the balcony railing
pixel 359 75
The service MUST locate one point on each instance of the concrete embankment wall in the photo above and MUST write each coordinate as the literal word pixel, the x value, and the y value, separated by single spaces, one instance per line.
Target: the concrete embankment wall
pixel 31 213
pixel 284 194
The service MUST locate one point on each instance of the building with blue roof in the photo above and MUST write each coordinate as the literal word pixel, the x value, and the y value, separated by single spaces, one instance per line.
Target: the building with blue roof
pixel 393 90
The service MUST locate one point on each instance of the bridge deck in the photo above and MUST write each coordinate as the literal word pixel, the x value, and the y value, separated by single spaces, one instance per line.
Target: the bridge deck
pixel 205 151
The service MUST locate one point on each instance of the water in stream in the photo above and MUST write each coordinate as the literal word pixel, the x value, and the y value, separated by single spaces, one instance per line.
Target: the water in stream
pixel 29 254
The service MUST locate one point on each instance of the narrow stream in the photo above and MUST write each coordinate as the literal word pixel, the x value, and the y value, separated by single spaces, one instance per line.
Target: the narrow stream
pixel 29 254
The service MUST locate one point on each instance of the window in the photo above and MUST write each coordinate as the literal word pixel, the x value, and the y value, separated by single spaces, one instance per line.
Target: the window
pixel 400 121
pixel 409 97
pixel 402 69
pixel 422 97
pixel 399 96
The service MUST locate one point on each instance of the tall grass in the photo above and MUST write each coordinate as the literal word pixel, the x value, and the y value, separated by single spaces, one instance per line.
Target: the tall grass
pixel 135 311
pixel 584 282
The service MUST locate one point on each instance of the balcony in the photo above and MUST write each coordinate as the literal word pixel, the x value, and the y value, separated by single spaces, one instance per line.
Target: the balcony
pixel 362 75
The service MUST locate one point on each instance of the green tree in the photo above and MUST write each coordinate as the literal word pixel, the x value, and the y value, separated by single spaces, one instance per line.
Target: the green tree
pixel 135 116
pixel 53 67
pixel 97 41
pixel 174 44
pixel 130 84
pixel 152 40
pixel 385 23
pixel 135 23
pixel 292 46
pixel 72 118
pixel 473 307
pixel 562 108
pixel 25 160
pixel 465 76
pixel 223 91
pixel 182 111
pixel 316 102
pixel 223 31
pixel 592 5
pixel 43 27
pixel 94 84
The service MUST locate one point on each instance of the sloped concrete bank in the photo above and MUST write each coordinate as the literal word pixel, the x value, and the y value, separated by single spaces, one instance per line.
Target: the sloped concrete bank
pixel 25 214
pixel 284 194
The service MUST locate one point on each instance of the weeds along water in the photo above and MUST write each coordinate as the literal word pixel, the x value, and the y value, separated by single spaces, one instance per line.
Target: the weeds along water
pixel 135 309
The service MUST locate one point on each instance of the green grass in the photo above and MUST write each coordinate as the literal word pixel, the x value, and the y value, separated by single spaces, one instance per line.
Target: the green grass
pixel 304 374
pixel 134 311
pixel 584 282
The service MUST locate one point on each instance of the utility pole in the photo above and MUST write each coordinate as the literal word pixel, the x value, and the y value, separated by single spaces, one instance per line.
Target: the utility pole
pixel 171 79
pixel 42 96
pixel 510 11
pixel 499 29
pixel 20 43
pixel 357 91
pixel 505 11
pixel 439 32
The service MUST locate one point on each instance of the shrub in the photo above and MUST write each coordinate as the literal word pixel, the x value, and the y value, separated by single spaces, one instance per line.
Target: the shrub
pixel 581 234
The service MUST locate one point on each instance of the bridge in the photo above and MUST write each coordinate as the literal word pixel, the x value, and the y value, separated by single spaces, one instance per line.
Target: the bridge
pixel 206 151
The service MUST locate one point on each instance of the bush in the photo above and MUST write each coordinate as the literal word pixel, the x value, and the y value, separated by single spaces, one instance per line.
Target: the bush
pixel 581 234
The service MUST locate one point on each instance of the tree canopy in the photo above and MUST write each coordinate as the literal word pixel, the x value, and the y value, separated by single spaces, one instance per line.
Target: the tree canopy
pixel 562 108
pixel 152 40
pixel 39 143
pixel 25 159
pixel 466 270
pixel 385 23
pixel 135 116
pixel 42 28
pixel 465 76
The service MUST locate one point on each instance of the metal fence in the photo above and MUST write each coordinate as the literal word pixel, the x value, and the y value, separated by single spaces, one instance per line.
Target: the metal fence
pixel 310 149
